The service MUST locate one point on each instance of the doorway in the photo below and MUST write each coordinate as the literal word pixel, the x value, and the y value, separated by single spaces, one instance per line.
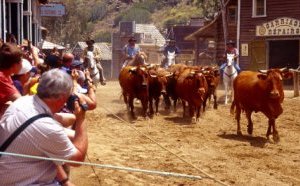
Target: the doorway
pixel 284 53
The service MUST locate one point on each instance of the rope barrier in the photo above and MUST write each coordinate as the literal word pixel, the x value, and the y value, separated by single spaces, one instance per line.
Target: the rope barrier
pixel 185 161
pixel 161 173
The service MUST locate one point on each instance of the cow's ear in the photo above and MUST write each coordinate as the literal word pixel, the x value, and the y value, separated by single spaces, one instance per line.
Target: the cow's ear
pixel 287 75
pixel 262 76
pixel 216 72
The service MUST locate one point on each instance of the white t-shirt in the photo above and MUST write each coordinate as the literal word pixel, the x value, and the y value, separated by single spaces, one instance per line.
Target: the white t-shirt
pixel 44 137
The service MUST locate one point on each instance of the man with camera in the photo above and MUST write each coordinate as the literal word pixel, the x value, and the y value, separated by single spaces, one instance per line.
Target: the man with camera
pixel 44 136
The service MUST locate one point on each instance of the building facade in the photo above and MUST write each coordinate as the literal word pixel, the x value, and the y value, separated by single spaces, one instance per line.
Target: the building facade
pixel 148 38
pixel 22 19
pixel 267 33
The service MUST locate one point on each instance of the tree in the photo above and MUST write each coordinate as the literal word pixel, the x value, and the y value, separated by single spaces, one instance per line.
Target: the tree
pixel 211 8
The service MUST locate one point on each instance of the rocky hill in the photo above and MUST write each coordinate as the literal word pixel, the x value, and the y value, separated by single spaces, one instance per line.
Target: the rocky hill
pixel 99 18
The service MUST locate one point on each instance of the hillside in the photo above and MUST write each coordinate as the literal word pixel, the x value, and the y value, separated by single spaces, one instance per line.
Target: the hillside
pixel 99 18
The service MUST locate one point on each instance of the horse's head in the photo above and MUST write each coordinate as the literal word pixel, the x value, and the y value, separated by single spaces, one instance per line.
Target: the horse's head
pixel 171 58
pixel 140 57
pixel 230 59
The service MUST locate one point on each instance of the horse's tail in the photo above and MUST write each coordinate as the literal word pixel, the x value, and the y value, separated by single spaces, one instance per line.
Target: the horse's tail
pixel 232 108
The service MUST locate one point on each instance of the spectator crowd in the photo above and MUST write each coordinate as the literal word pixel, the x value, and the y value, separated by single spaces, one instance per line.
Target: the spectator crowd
pixel 43 101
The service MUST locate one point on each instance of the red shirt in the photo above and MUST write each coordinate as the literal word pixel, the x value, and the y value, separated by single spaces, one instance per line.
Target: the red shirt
pixel 7 89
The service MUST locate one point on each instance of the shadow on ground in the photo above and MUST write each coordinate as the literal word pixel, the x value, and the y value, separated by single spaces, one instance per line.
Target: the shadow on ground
pixel 256 141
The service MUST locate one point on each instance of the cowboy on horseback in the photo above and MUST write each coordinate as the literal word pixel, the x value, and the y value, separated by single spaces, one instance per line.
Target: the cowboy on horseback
pixel 230 49
pixel 97 56
pixel 130 51
pixel 169 50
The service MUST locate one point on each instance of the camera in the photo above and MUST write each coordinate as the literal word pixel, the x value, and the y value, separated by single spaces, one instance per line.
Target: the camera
pixel 70 104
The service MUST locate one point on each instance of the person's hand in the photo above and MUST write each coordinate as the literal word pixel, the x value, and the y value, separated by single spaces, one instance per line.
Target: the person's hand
pixel 74 74
pixel 78 111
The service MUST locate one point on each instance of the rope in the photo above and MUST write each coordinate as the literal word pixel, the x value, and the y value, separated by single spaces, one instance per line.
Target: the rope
pixel 98 179
pixel 161 173
pixel 185 161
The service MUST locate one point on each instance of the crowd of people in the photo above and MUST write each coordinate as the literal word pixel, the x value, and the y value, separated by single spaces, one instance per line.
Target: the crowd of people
pixel 43 101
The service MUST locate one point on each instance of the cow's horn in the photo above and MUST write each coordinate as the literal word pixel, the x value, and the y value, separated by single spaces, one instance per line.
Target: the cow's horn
pixel 133 68
pixel 283 69
pixel 263 71
pixel 168 75
pixel 153 76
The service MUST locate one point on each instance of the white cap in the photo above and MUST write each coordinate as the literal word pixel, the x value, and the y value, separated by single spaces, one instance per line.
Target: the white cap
pixel 26 67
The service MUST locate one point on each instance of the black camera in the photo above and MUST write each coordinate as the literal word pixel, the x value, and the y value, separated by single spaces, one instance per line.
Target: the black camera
pixel 70 104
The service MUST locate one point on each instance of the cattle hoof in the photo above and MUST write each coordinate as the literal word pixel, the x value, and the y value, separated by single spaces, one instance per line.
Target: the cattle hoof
pixel 250 130
pixel 276 138
pixel 239 133
pixel 194 120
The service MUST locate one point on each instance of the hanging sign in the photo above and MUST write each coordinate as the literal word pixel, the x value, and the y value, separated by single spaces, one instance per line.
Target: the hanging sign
pixel 283 26
pixel 53 10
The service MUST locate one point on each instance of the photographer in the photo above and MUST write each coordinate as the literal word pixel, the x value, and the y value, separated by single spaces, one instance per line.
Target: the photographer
pixel 44 137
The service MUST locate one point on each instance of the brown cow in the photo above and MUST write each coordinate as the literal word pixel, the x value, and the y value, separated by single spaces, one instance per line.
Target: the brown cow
pixel 157 86
pixel 212 77
pixel 190 87
pixel 176 70
pixel 262 92
pixel 134 84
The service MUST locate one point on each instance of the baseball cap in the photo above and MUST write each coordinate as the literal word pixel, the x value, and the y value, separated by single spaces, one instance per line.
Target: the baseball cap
pixel 26 67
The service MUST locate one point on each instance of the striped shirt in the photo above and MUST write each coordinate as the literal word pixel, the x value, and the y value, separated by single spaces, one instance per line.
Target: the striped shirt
pixel 44 137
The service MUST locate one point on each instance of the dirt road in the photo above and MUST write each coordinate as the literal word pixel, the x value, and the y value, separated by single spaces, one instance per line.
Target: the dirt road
pixel 210 145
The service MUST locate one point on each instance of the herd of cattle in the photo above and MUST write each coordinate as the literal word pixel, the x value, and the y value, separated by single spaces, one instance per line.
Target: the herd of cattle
pixel 253 91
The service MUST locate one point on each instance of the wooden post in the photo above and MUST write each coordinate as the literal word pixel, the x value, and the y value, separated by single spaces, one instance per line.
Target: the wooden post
pixel 296 83
pixel 196 62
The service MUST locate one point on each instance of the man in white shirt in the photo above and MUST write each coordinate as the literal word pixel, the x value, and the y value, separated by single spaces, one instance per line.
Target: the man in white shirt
pixel 44 137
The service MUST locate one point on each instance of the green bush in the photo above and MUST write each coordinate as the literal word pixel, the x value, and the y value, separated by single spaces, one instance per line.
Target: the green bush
pixel 103 37
pixel 138 15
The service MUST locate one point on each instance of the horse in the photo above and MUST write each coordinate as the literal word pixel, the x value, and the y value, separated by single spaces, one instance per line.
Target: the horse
pixel 229 75
pixel 138 60
pixel 90 64
pixel 170 60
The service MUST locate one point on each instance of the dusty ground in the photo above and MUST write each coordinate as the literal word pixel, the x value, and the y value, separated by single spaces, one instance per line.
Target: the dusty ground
pixel 211 145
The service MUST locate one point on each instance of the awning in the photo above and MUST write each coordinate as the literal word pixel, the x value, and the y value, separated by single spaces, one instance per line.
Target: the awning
pixel 46 45
pixel 43 1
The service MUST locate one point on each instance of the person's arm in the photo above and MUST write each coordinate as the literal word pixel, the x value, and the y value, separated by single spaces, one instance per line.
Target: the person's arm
pixel 65 119
pixel 62 177
pixel 35 55
pixel 80 140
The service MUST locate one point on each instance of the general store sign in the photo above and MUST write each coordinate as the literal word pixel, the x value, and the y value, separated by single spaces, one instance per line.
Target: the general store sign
pixel 283 26
pixel 53 10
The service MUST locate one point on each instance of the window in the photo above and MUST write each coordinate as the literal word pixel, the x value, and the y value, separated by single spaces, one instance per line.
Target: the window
pixel 259 8
pixel 232 15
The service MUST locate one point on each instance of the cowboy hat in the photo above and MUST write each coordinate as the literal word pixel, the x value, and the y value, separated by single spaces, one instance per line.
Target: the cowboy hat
pixel 89 40
pixel 230 42
pixel 131 39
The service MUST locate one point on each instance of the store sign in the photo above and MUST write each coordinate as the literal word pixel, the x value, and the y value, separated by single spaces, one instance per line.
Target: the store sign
pixel 244 49
pixel 53 10
pixel 279 27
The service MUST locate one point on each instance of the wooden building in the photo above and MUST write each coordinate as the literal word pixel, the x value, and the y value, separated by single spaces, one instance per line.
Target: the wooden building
pixel 267 33
pixel 21 18
pixel 148 38
pixel 106 56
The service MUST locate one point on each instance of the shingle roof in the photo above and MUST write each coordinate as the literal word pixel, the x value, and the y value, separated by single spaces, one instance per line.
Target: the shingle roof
pixel 106 53
pixel 48 45
pixel 153 32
